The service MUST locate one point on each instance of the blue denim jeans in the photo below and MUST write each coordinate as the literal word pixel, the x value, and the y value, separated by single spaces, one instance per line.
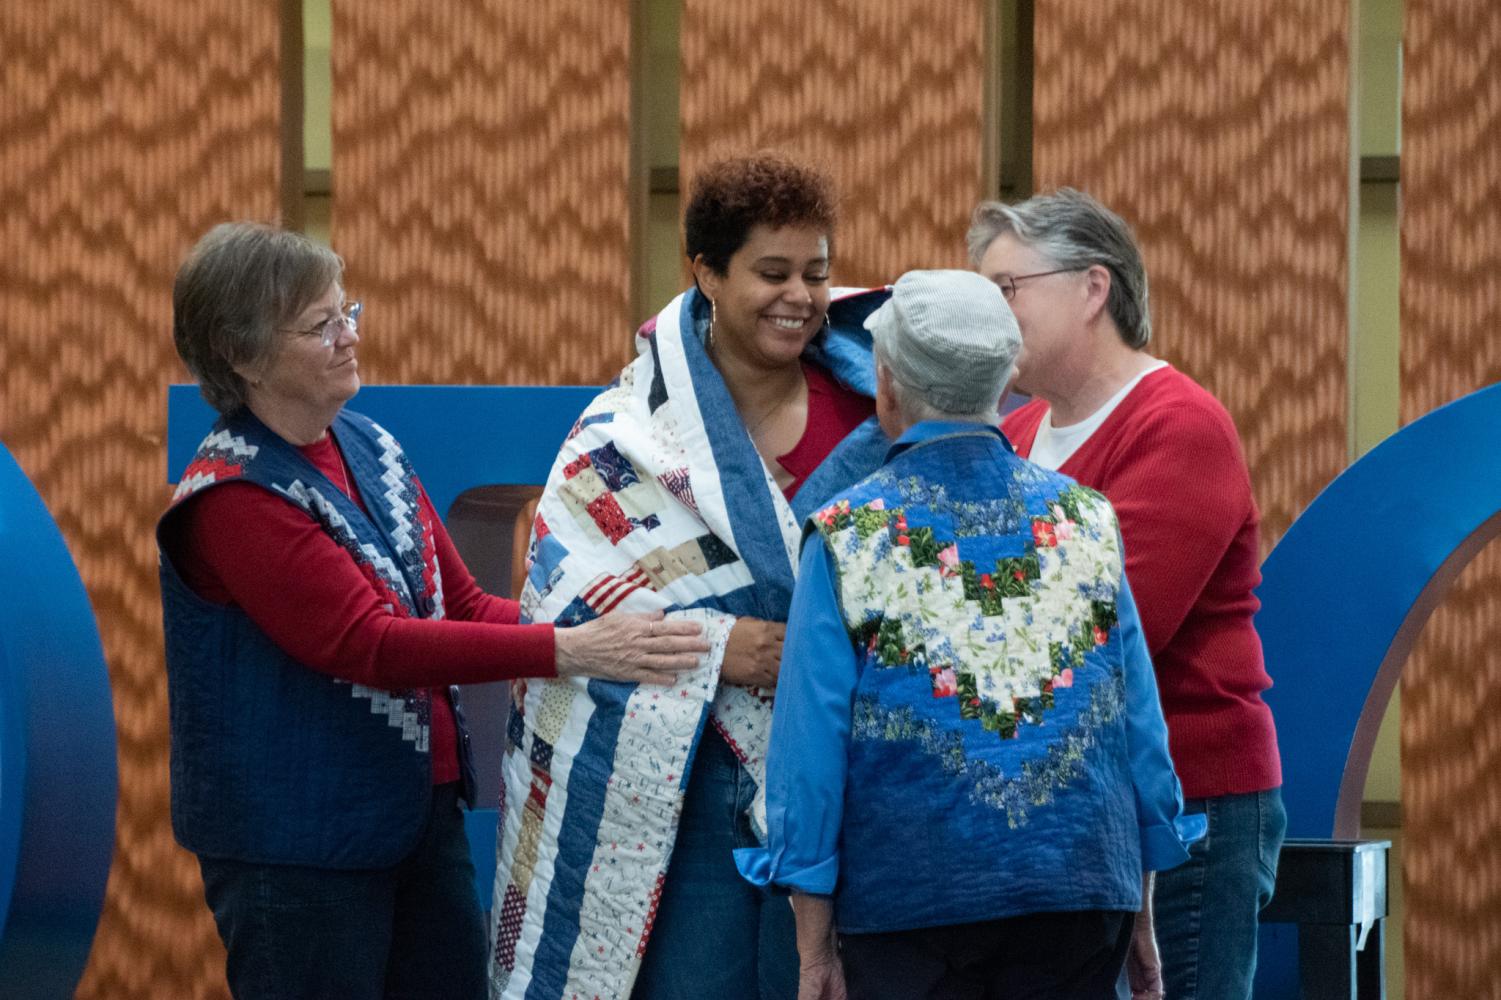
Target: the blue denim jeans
pixel 715 934
pixel 413 931
pixel 1206 909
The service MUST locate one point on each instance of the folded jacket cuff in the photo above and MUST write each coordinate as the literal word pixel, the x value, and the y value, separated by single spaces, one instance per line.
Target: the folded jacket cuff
pixel 756 867
pixel 1165 845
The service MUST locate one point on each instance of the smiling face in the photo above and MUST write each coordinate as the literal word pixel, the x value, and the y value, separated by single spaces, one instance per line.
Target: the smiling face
pixel 305 380
pixel 772 298
pixel 1051 312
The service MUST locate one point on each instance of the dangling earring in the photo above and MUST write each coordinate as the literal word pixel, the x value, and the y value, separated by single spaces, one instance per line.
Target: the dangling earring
pixel 713 318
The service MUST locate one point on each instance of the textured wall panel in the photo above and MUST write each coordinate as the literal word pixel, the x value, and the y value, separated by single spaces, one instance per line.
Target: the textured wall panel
pixel 130 128
pixel 1451 311
pixel 888 95
pixel 480 169
pixel 1221 132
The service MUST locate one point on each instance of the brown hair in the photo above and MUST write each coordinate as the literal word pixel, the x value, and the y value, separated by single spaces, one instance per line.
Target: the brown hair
pixel 730 197
pixel 239 285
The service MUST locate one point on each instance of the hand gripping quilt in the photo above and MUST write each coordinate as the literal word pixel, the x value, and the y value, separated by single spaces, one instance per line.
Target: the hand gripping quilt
pixel 658 500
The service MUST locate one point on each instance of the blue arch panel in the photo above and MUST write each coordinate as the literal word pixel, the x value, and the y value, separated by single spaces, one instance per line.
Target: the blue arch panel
pixel 1344 597
pixel 57 753
pixel 1348 588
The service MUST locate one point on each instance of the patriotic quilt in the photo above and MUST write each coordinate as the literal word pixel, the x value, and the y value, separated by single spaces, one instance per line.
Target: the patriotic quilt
pixel 658 501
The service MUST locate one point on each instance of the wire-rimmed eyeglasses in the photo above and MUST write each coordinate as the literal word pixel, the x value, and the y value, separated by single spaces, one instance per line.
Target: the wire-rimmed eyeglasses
pixel 329 330
pixel 1007 282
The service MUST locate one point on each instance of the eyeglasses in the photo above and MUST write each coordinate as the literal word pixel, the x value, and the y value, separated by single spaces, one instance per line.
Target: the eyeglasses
pixel 328 331
pixel 1007 282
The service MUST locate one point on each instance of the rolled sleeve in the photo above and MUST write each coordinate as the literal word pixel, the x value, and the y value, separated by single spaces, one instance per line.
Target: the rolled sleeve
pixel 1165 831
pixel 807 762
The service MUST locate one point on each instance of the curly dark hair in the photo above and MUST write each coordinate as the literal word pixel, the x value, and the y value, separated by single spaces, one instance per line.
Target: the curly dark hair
pixel 729 197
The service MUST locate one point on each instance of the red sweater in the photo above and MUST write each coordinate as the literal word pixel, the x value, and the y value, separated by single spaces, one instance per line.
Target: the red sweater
pixel 312 600
pixel 1169 460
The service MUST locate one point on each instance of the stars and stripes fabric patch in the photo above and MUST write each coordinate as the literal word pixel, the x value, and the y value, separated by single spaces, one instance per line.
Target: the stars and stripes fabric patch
pixel 606 592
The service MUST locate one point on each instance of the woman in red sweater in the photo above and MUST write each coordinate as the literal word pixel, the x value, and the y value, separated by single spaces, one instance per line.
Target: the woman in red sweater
pixel 1167 456
pixel 316 617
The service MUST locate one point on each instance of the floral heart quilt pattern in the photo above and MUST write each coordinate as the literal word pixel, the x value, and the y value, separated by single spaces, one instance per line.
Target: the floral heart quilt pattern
pixel 999 638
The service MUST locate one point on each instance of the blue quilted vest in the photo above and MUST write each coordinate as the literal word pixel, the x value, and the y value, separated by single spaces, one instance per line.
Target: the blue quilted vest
pixel 273 762
pixel 988 769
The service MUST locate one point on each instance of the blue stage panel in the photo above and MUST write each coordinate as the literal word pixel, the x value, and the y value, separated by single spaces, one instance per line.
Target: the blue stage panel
pixel 457 436
pixel 57 754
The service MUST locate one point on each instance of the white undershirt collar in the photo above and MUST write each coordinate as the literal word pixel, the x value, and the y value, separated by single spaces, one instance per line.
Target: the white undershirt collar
pixel 1053 446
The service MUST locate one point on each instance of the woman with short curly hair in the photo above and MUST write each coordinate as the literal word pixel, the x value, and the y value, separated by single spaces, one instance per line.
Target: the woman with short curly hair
pixel 682 489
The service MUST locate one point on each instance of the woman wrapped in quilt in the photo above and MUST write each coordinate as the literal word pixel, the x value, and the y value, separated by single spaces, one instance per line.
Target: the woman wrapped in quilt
pixel 682 488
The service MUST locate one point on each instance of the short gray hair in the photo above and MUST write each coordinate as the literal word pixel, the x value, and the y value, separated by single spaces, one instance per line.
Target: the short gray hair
pixel 1073 230
pixel 239 285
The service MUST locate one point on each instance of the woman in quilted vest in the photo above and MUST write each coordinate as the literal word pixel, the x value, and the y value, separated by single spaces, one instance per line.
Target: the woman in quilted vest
pixel 317 617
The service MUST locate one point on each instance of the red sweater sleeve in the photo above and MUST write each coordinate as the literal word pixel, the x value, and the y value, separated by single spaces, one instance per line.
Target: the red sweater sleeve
pixel 240 543
pixel 1181 500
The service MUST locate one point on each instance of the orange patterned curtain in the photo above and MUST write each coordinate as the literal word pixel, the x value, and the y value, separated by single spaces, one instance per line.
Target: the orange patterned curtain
pixel 130 128
pixel 888 94
pixel 481 174
pixel 1221 132
pixel 1451 311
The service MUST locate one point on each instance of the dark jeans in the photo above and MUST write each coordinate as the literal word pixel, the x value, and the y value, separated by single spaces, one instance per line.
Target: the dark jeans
pixel 1041 956
pixel 716 935
pixel 411 931
pixel 1206 909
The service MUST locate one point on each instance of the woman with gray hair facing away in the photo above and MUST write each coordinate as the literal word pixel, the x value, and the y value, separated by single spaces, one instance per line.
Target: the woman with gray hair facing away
pixel 968 770
pixel 1167 456
pixel 316 614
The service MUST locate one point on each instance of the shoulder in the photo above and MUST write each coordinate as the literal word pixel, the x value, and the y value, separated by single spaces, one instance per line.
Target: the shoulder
pixel 1061 491
pixel 1169 390
pixel 1168 406
pixel 218 504
pixel 864 502
pixel 1029 474
pixel 228 501
pixel 353 421
pixel 610 405
pixel 357 434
